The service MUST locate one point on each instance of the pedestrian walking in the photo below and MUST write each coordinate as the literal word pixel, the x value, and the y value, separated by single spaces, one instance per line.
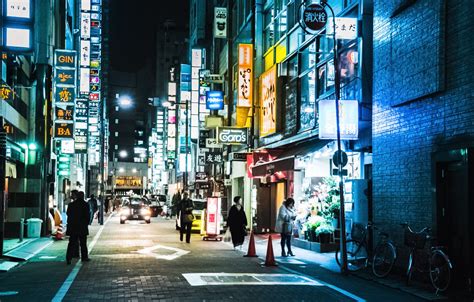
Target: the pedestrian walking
pixel 284 225
pixel 93 206
pixel 77 226
pixel 186 217
pixel 237 222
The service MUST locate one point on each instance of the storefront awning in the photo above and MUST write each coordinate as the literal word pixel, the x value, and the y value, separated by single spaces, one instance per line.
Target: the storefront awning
pixel 271 167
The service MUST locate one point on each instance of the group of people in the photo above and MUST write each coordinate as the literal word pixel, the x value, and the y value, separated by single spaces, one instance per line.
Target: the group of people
pixel 237 223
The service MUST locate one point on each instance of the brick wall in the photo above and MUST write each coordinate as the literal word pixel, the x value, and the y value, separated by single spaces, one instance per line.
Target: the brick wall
pixel 423 97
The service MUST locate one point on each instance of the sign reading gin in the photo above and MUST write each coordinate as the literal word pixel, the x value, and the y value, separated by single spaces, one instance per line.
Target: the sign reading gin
pixel 348 119
pixel 232 136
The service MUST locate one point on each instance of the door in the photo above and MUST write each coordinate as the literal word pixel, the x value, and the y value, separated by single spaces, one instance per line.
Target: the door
pixel 452 213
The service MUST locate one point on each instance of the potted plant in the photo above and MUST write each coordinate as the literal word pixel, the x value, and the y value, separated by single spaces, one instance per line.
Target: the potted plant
pixel 313 223
pixel 333 211
pixel 323 232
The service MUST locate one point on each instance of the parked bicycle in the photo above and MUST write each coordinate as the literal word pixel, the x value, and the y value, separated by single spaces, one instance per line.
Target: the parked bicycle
pixel 384 254
pixel 433 260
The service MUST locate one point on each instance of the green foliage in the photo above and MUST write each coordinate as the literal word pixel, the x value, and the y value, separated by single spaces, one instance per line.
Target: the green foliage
pixel 324 228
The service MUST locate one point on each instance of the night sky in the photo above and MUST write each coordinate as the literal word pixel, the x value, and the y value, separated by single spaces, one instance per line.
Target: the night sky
pixel 133 26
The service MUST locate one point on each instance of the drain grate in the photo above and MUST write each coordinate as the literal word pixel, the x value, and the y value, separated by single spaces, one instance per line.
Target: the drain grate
pixel 200 279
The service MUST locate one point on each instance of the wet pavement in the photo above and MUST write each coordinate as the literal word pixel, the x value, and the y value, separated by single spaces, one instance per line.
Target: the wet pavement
pixel 147 262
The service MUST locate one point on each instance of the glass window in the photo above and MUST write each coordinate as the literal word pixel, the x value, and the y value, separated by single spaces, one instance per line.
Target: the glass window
pixel 321 80
pixel 308 57
pixel 294 40
pixel 268 32
pixel 281 25
pixel 292 67
pixel 308 101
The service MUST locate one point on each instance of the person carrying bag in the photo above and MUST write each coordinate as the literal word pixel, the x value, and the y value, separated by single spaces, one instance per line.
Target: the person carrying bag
pixel 284 225
pixel 186 207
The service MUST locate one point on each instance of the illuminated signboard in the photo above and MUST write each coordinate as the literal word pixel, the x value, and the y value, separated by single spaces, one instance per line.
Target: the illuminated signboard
pixel 85 53
pixel 65 114
pixel 67 146
pixel 85 25
pixel 232 136
pixel 85 4
pixel 213 216
pixel 84 80
pixel 18 37
pixel 65 94
pixel 346 28
pixel 65 58
pixel 268 95
pixel 63 130
pixel 245 76
pixel 6 93
pixel 348 119
pixel 18 9
pixel 220 22
pixel 214 100
pixel 65 77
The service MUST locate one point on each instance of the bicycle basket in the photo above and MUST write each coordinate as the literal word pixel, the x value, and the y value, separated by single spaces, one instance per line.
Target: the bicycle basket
pixel 415 240
pixel 358 232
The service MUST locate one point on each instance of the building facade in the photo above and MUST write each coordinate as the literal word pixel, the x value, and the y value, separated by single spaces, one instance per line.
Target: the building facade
pixel 422 134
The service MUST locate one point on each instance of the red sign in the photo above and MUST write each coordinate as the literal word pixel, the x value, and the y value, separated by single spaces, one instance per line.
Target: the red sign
pixel 213 216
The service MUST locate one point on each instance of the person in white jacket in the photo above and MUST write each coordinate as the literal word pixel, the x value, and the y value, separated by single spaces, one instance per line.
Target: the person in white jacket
pixel 284 225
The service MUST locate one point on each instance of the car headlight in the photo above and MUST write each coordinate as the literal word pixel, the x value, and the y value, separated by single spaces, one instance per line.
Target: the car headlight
pixel 145 212
pixel 125 212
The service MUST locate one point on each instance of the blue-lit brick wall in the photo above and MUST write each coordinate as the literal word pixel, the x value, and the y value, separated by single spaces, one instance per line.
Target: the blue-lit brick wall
pixel 422 98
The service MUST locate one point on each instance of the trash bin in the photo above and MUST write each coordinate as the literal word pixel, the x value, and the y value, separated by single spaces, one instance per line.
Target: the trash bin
pixel 34 227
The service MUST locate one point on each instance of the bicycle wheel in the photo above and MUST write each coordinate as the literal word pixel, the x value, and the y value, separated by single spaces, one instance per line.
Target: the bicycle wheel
pixel 410 268
pixel 440 270
pixel 384 258
pixel 356 255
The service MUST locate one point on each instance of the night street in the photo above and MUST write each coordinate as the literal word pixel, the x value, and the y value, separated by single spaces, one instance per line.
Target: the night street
pixel 337 134
pixel 146 262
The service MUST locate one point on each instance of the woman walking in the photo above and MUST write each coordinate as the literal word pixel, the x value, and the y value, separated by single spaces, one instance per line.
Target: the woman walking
pixel 284 225
pixel 237 222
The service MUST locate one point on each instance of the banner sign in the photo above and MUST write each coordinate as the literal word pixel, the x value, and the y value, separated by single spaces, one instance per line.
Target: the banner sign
pixel 348 119
pixel 346 28
pixel 220 22
pixel 268 95
pixel 215 100
pixel 245 76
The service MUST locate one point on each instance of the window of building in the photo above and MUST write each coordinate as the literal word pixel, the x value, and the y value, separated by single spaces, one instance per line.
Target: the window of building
pixel 308 101
pixel 268 31
pixel 116 134
pixel 116 121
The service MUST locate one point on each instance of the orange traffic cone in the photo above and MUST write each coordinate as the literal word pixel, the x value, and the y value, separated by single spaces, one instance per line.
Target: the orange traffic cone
pixel 251 252
pixel 270 259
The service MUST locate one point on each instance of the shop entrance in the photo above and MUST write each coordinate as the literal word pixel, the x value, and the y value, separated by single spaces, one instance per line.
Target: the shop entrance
pixel 452 217
pixel 278 195
pixel 270 196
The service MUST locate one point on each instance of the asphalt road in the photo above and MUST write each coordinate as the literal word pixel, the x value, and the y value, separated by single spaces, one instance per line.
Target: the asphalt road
pixel 147 262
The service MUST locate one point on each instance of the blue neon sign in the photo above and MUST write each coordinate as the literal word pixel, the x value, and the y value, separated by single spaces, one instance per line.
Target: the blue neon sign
pixel 214 100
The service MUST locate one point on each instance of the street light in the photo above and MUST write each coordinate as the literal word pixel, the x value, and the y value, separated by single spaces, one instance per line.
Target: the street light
pixel 125 101
pixel 123 153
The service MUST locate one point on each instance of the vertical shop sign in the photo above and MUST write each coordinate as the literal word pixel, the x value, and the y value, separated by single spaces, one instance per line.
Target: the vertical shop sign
pixel 245 76
pixel 64 92
pixel 220 22
pixel 268 95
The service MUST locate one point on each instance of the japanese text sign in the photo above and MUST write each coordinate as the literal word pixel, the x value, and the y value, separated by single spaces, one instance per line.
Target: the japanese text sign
pixel 314 17
pixel 245 76
pixel 213 157
pixel 268 96
pixel 346 28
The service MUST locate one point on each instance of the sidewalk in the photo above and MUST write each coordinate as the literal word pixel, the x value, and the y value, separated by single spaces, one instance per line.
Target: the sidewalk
pixel 313 263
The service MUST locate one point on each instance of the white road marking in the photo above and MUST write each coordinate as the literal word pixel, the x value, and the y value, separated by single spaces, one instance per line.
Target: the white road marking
pixel 72 275
pixel 151 251
pixel 200 279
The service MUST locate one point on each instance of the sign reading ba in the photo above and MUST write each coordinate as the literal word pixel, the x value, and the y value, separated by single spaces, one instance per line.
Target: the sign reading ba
pixel 232 136
pixel 314 17
pixel 63 130
pixel 214 100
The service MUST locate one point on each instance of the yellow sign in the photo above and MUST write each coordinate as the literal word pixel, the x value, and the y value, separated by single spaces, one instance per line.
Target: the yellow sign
pixel 245 76
pixel 128 182
pixel 63 130
pixel 268 97
pixel 6 93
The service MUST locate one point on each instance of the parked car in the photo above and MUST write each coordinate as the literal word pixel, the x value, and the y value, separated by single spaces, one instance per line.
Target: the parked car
pixel 135 208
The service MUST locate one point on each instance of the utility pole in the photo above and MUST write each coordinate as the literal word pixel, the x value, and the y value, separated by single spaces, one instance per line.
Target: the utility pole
pixel 3 148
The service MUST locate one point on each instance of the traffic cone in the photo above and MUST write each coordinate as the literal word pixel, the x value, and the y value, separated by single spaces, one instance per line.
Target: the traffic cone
pixel 270 259
pixel 251 252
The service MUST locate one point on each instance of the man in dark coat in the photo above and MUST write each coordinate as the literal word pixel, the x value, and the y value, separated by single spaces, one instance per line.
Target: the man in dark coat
pixel 77 226
pixel 186 216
